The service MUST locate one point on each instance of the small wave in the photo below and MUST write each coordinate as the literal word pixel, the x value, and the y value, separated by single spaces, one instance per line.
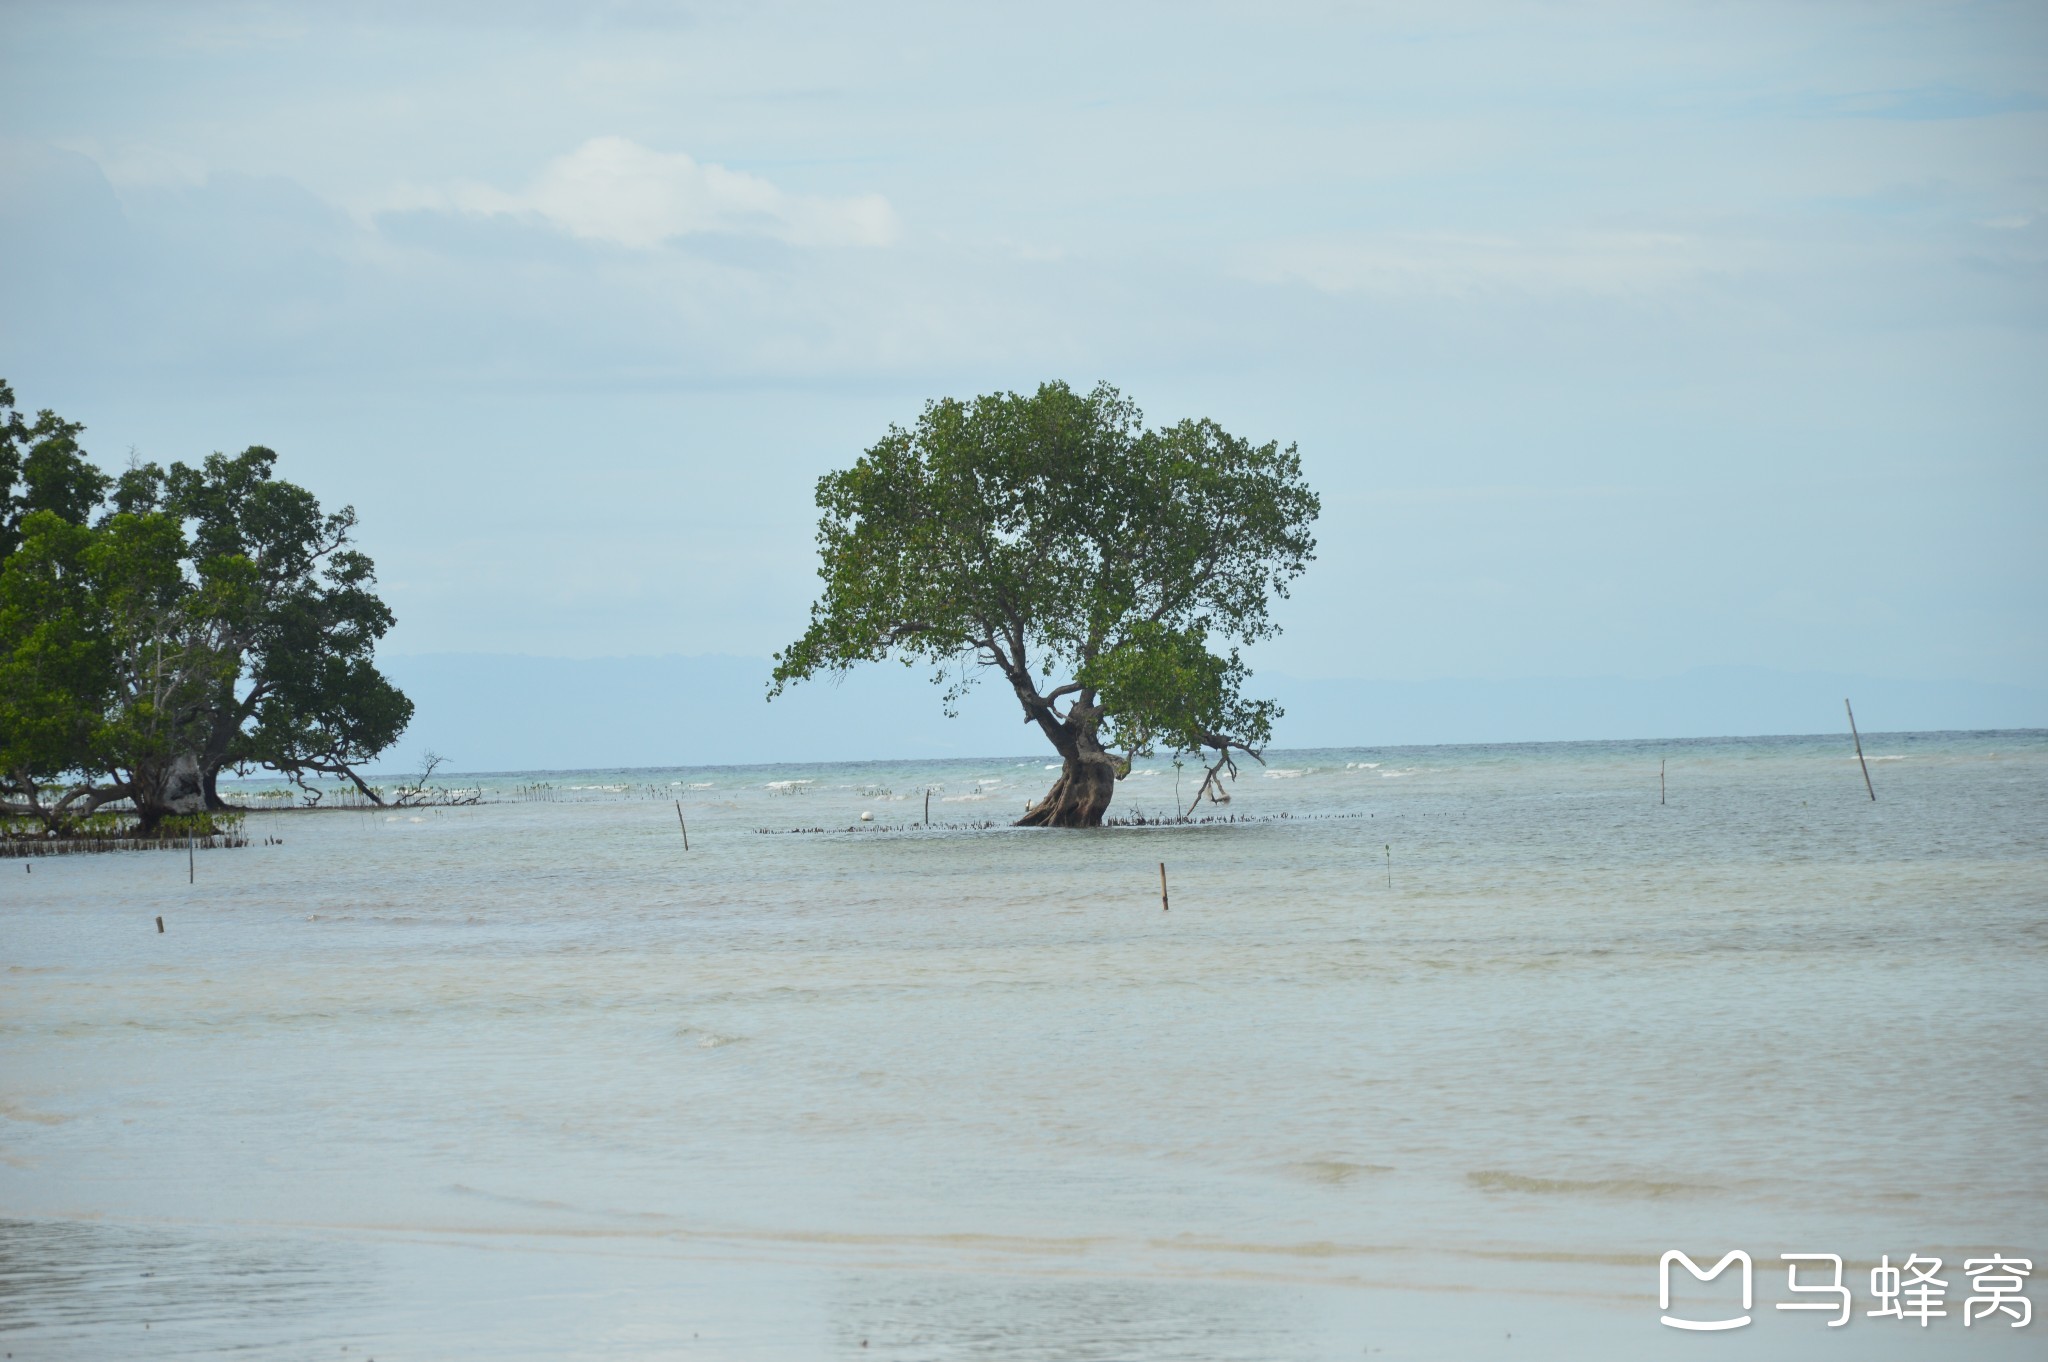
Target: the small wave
pixel 1494 1180
pixel 711 1040
pixel 1361 766
pixel 1395 775
pixel 533 1203
pixel 1335 1172
pixel 1287 773
pixel 785 784
pixel 14 1112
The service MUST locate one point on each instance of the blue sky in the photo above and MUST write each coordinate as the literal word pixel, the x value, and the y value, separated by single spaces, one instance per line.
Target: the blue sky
pixel 1620 339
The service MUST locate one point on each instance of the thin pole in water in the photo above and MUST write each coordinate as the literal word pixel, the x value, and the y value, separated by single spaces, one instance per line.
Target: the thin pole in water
pixel 191 869
pixel 1390 865
pixel 1163 906
pixel 927 806
pixel 159 924
pixel 681 824
pixel 1660 780
pixel 1859 750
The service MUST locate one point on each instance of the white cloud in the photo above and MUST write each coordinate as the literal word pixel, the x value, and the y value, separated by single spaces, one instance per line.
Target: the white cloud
pixel 613 189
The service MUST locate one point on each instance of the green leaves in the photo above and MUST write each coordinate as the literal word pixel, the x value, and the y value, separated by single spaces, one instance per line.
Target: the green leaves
pixel 314 700
pixel 211 616
pixel 55 654
pixel 110 656
pixel 1053 536
pixel 1162 687
pixel 42 468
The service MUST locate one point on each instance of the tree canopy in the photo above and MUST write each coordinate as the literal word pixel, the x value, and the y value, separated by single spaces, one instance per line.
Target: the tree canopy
pixel 165 625
pixel 1096 565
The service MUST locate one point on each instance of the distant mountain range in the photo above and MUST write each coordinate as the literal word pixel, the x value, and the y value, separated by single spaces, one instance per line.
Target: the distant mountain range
pixel 504 712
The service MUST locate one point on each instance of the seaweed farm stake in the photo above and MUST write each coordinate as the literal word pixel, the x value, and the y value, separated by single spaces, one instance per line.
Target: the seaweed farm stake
pixel 681 824
pixel 1660 780
pixel 927 806
pixel 1859 751
pixel 191 870
pixel 1163 906
pixel 1390 865
pixel 159 924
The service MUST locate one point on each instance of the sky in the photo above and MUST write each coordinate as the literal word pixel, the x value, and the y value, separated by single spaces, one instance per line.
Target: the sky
pixel 1619 339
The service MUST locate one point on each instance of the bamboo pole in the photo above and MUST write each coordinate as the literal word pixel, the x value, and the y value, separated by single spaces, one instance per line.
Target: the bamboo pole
pixel 927 806
pixel 681 824
pixel 1660 781
pixel 1859 750
pixel 1390 865
pixel 159 924
pixel 191 867
pixel 1163 905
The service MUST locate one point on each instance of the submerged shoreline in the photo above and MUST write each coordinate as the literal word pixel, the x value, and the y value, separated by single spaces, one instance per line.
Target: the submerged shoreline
pixel 497 1080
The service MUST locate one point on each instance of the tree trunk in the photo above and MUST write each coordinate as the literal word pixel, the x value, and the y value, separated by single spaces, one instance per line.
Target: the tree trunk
pixel 229 716
pixel 159 789
pixel 1081 795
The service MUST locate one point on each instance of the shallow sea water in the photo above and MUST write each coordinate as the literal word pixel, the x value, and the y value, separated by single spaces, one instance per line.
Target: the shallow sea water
pixel 1433 1057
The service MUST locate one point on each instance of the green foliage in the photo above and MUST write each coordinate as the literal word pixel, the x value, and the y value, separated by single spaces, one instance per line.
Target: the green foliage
pixel 1054 536
pixel 55 657
pixel 171 639
pixel 110 655
pixel 315 701
pixel 210 617
pixel 1162 687
pixel 42 469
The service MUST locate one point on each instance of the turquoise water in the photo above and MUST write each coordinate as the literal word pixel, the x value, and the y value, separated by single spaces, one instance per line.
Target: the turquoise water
pixel 1435 1046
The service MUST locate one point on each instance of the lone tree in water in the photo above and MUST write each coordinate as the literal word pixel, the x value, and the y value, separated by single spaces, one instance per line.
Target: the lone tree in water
pixel 1090 561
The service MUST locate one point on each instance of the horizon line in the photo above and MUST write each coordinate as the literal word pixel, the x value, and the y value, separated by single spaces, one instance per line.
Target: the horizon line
pixel 1382 747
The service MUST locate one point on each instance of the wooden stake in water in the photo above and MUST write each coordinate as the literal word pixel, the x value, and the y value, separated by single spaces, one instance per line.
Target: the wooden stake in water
pixel 1390 865
pixel 1163 905
pixel 1859 751
pixel 191 869
pixel 159 925
pixel 681 824
pixel 927 806
pixel 1660 780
